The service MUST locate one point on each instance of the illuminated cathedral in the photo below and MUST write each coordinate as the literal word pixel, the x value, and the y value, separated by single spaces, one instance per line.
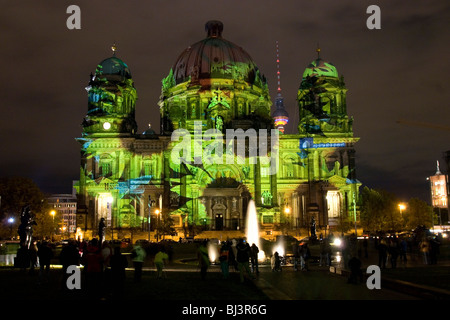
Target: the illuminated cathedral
pixel 133 179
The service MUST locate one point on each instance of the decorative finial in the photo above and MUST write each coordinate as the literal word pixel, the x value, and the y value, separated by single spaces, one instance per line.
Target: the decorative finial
pixel 114 48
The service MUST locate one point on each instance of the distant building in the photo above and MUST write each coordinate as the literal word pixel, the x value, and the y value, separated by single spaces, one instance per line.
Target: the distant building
pixel 439 195
pixel 66 207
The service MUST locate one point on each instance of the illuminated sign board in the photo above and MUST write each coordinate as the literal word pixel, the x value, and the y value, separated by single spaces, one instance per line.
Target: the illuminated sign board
pixel 438 186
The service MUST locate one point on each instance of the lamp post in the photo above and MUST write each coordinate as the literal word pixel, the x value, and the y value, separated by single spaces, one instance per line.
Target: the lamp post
pixel 53 212
pixel 354 212
pixel 157 227
pixel 150 205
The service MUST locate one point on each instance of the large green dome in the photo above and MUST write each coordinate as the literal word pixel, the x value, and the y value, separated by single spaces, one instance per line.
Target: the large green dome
pixel 214 57
pixel 320 68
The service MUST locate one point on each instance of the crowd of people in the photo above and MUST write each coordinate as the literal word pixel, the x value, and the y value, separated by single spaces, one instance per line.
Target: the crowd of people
pixel 394 249
pixel 237 255
pixel 103 265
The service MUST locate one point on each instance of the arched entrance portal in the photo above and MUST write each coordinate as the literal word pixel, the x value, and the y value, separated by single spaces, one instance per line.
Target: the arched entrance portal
pixel 225 201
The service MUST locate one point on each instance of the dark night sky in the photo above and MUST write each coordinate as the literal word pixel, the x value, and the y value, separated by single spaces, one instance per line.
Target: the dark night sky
pixel 398 72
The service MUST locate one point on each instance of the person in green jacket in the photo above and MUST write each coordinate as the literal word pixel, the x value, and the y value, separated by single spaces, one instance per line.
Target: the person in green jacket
pixel 138 257
pixel 203 259
pixel 160 257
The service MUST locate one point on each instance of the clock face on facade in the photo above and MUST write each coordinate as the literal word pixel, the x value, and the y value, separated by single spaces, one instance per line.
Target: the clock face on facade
pixel 106 125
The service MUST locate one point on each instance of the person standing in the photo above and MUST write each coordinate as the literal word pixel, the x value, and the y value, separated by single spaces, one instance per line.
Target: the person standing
pixel 366 247
pixel 118 265
pixel 106 252
pixel 403 250
pixel 138 257
pixel 325 253
pixel 224 255
pixel 232 255
pixel 425 249
pixel 242 257
pixel 295 252
pixel 382 253
pixel 434 250
pixel 70 255
pixel 92 260
pixel 160 257
pixel 355 270
pixel 254 258
pixel 203 259
pixel 275 262
pixel 394 252
pixel 304 256
pixel 45 254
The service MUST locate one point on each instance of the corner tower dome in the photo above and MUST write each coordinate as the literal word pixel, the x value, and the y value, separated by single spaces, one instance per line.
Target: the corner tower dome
pixel 113 66
pixel 320 68
pixel 214 57
pixel 111 100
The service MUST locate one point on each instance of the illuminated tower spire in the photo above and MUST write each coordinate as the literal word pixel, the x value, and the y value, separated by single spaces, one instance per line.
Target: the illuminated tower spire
pixel 280 115
pixel 438 170
pixel 278 71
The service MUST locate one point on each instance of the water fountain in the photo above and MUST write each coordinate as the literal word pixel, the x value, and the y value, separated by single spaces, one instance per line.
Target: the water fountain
pixel 279 247
pixel 213 252
pixel 252 229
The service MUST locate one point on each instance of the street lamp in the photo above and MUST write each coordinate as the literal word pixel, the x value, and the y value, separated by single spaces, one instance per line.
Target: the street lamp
pixel 150 205
pixel 63 230
pixel 11 221
pixel 287 210
pixel 401 207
